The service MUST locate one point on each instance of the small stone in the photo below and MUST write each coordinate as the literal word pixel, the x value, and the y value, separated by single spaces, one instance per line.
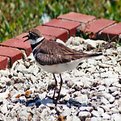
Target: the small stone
pixel 64 91
pixel 21 67
pixel 95 119
pixel 3 109
pixel 4 73
pixel 95 113
pixel 101 88
pixel 104 100
pixel 103 65
pixel 117 69
pixel 66 112
pixel 28 93
pixel 88 119
pixel 67 97
pixel 84 114
pixel 75 118
pixel 30 116
pixel 116 117
pixel 109 81
pixel 84 65
pixel 2 117
pixel 70 83
pixel 117 85
pixel 115 110
pixel 109 97
pixel 91 43
pixel 4 95
pixel 105 116
pixel 23 114
pixel 100 110
pixel 112 89
pixel 83 99
pixel 68 118
pixel 106 107
pixel 85 108
pixel 115 93
pixel 108 51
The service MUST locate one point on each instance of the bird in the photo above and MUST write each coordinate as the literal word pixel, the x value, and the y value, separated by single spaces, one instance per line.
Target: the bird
pixel 55 57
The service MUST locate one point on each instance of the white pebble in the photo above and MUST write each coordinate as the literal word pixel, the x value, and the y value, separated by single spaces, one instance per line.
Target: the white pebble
pixel 105 116
pixel 4 109
pixel 85 108
pixel 100 110
pixel 4 95
pixel 95 119
pixel 116 117
pixel 75 118
pixel 95 113
pixel 83 99
pixel 84 114
pixel 66 112
pixel 109 97
pixel 104 100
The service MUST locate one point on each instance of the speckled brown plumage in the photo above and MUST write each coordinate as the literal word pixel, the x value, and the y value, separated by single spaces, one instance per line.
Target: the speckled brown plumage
pixel 51 52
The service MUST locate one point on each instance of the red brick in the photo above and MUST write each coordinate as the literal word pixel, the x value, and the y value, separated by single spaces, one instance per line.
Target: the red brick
pixel 3 62
pixel 77 17
pixel 96 26
pixel 27 46
pixel 18 43
pixel 13 53
pixel 71 26
pixel 49 37
pixel 21 36
pixel 54 32
pixel 111 33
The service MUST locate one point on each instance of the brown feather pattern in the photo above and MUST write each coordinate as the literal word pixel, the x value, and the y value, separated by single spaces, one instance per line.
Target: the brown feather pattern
pixel 51 52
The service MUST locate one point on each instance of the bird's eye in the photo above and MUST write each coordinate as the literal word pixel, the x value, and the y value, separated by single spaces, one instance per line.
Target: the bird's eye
pixel 32 36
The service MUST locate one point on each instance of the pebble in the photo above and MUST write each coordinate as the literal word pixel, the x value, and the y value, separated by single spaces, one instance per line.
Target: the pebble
pixel 91 92
pixel 84 114
pixel 116 117
pixel 3 108
pixel 109 97
pixel 66 112
pixel 112 89
pixel 2 117
pixel 83 99
pixel 95 113
pixel 106 116
pixel 100 110
pixel 85 108
pixel 95 119
pixel 4 95
pixel 72 118
pixel 101 88
pixel 104 100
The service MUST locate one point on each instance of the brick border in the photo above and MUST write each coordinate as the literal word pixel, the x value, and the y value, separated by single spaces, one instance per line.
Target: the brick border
pixel 62 27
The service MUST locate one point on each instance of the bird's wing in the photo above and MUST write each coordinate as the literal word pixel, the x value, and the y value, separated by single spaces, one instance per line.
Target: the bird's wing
pixel 56 53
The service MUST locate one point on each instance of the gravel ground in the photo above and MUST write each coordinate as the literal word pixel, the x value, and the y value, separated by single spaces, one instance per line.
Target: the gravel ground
pixel 89 93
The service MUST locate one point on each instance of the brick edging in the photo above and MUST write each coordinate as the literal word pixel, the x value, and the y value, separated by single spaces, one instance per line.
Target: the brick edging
pixel 61 27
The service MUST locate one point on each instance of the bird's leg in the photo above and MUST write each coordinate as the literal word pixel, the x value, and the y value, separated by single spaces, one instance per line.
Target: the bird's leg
pixel 61 82
pixel 55 86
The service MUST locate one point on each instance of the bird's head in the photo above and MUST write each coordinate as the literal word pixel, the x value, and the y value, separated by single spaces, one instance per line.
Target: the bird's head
pixel 34 36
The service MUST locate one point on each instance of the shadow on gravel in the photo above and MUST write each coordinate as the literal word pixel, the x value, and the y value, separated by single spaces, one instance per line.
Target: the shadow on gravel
pixel 45 101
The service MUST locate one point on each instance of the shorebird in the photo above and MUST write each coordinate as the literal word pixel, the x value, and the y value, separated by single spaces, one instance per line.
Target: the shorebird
pixel 55 57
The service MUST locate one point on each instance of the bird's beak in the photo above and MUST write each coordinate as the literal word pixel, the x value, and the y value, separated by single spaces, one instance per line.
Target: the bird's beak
pixel 25 37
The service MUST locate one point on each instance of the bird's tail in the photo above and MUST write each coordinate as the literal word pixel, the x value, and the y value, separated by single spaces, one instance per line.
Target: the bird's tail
pixel 88 55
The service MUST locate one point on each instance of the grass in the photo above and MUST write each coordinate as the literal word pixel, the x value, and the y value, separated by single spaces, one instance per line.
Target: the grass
pixel 17 16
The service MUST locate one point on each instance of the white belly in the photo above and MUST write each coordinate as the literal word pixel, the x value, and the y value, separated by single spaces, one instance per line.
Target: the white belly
pixel 58 68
